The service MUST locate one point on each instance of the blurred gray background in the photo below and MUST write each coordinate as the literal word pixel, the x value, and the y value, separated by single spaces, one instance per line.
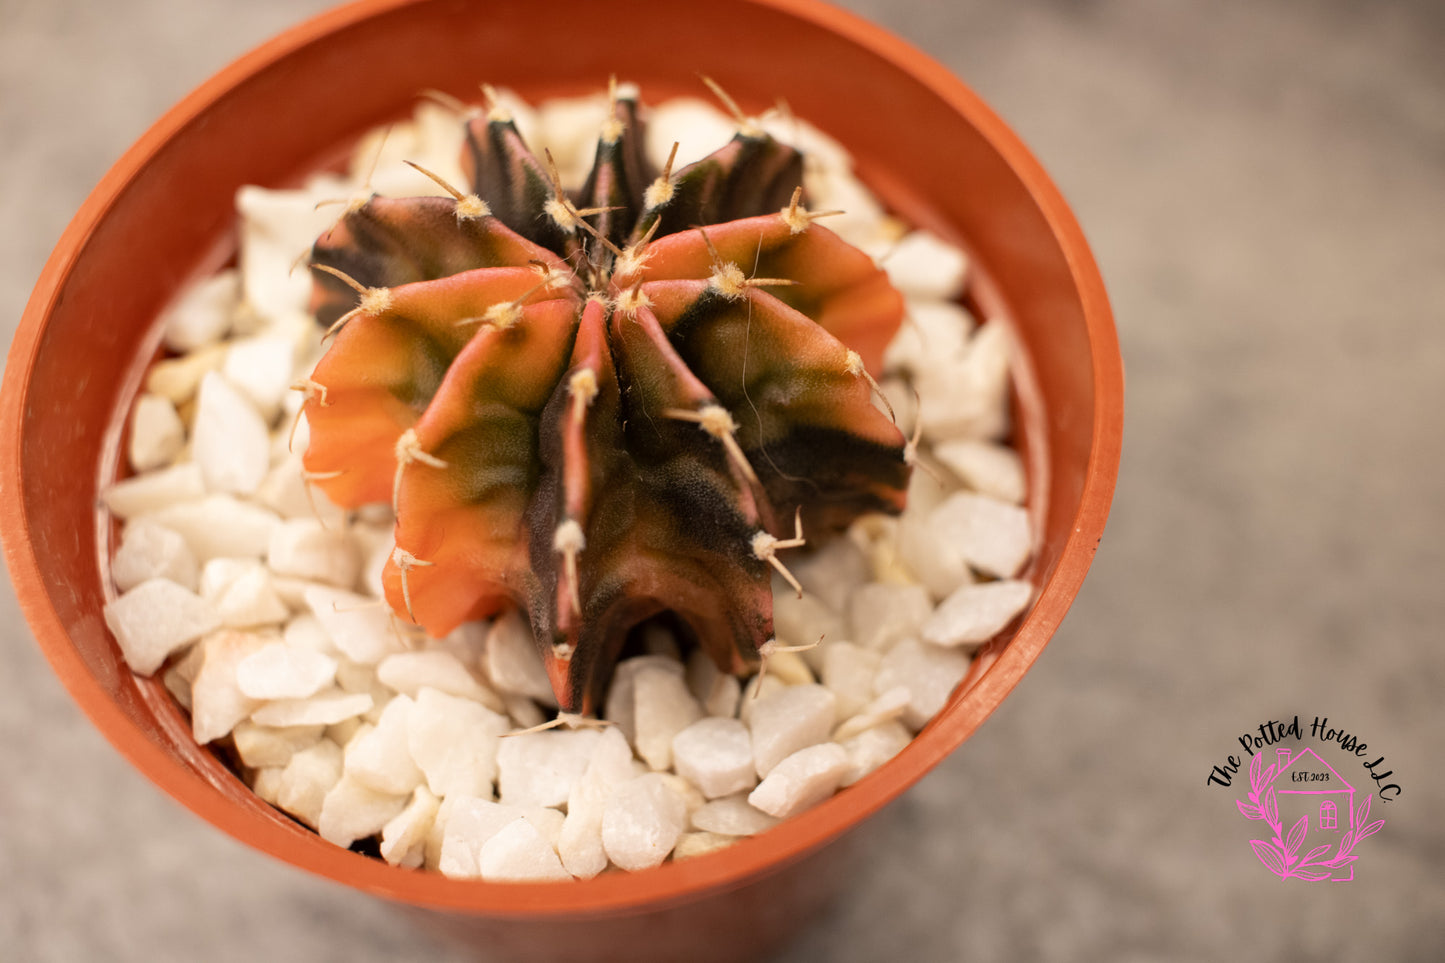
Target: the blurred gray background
pixel 1264 187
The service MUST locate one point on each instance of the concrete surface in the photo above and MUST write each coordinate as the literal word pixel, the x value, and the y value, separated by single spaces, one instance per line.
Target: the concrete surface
pixel 1264 184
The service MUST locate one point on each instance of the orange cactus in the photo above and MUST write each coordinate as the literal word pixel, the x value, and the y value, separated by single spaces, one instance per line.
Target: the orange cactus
pixel 601 406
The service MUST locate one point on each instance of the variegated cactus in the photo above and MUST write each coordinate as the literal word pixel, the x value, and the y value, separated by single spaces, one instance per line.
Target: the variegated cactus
pixel 605 404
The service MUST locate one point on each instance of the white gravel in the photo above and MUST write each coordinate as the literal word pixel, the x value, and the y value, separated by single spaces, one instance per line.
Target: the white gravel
pixel 259 601
pixel 150 551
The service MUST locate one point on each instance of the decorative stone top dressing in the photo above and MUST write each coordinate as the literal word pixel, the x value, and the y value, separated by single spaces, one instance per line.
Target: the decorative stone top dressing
pixel 603 404
pixel 382 737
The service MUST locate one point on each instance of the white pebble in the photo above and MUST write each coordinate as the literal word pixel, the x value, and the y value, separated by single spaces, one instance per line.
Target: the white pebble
pixel 432 850
pixel 217 702
pixel 976 613
pixel 802 780
pixel 346 730
pixel 513 663
pixel 306 631
pixel 155 490
pixel 933 332
pixel 642 822
pixel 879 536
pixel 376 552
pixel 662 708
pixel 862 219
pixel 178 378
pixel 276 227
pixel 454 742
pixel 150 551
pixel 803 621
pixel 759 687
pixel 410 672
pixel 266 783
pixel 990 535
pixel 229 438
pixel 539 768
pixel 281 671
pixel 929 557
pixel 202 314
pixel 218 574
pixel 352 811
pixel 325 708
pixel 292 592
pixel 438 145
pixel 699 844
pixel 927 671
pixel 242 593
pixel 470 822
pixel 831 573
pixel 968 398
pixel 732 816
pixel 925 493
pixel 404 838
pixel 848 672
pixel 818 148
pixel 889 705
pixel 306 780
pixel 883 614
pixel 261 369
pixel 569 126
pixel 788 720
pixel 181 673
pixel 718 691
pixel 519 854
pixel 695 125
pixel 872 747
pixel 716 755
pixel 156 433
pixel 927 267
pixel 286 491
pixel 692 798
pixel 456 852
pixel 621 705
pixel 466 642
pixel 266 746
pixel 219 526
pixel 987 467
pixel 304 548
pixel 580 842
pixel 381 759
pixel 523 711
pixel 156 618
pixel 354 677
pixel 359 626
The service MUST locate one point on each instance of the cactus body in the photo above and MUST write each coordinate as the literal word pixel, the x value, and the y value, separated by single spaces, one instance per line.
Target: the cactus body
pixel 603 405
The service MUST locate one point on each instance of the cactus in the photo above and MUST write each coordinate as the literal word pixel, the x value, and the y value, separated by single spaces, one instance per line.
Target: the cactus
pixel 602 405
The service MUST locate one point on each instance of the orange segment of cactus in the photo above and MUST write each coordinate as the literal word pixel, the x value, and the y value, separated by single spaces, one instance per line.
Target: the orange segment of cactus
pixel 835 285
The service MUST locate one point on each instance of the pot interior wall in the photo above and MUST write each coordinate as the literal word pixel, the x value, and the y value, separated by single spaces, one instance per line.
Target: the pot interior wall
pixel 171 221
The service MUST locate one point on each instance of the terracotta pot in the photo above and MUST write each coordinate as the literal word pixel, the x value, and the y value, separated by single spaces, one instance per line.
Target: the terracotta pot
pixel 926 144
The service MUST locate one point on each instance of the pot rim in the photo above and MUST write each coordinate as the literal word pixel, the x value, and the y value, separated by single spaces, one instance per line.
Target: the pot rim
pixel 673 883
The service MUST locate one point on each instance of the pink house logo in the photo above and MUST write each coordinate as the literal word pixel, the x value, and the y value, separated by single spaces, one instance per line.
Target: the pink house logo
pixel 1301 790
